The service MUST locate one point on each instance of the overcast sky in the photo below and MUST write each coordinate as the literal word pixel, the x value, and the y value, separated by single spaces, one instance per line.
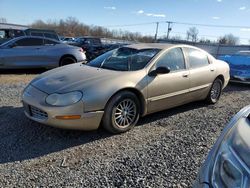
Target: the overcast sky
pixel 123 12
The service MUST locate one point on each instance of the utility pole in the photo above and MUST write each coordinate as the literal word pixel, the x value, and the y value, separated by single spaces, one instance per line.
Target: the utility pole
pixel 156 32
pixel 169 28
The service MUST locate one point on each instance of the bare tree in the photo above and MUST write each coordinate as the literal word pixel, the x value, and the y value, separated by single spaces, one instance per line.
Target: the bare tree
pixel 176 37
pixel 229 39
pixel 73 28
pixel 3 20
pixel 205 41
pixel 192 34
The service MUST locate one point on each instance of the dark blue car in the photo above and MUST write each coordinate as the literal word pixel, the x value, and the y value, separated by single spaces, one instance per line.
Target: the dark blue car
pixel 239 66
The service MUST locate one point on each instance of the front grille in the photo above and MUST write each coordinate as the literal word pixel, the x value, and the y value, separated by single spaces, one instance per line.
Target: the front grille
pixel 37 113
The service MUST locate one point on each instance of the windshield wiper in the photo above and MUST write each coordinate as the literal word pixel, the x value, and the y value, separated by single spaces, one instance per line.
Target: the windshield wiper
pixel 110 68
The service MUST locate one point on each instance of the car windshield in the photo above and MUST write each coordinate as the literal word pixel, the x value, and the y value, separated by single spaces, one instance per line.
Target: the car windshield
pixel 124 59
pixel 6 42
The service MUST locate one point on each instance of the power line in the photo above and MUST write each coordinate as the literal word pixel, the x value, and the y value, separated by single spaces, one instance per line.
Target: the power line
pixel 183 23
pixel 212 25
pixel 128 25
pixel 211 36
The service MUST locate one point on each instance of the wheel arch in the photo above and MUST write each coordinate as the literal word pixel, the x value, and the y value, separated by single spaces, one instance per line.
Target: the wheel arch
pixel 66 55
pixel 138 94
pixel 221 77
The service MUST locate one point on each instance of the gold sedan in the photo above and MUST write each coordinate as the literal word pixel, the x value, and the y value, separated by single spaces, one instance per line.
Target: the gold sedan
pixel 118 87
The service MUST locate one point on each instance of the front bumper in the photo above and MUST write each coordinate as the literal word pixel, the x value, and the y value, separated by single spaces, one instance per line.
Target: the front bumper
pixel 35 108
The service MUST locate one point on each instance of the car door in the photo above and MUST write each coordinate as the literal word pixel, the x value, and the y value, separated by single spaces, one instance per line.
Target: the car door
pixel 22 53
pixel 171 89
pixel 47 54
pixel 202 72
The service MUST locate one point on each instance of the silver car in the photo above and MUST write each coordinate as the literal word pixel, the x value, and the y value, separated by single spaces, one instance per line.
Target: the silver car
pixel 38 52
pixel 228 162
pixel 118 87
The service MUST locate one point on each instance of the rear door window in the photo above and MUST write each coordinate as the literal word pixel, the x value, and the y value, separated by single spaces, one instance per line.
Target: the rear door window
pixel 37 34
pixel 50 42
pixel 196 58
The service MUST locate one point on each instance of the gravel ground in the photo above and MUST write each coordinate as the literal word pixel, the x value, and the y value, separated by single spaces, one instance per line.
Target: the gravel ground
pixel 166 149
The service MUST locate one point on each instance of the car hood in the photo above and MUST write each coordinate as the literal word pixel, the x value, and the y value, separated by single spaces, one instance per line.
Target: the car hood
pixel 71 78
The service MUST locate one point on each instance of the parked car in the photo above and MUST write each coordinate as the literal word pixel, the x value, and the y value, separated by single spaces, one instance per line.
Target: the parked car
pixel 118 87
pixel 228 162
pixel 92 46
pixel 8 34
pixel 239 66
pixel 38 52
pixel 68 40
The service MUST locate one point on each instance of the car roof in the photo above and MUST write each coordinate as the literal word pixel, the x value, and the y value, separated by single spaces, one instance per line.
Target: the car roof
pixel 161 46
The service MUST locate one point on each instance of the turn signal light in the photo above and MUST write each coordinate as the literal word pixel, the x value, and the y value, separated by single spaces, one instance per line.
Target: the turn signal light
pixel 68 117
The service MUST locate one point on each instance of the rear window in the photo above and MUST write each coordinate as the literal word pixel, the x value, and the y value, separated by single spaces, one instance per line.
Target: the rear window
pixel 2 34
pixel 51 35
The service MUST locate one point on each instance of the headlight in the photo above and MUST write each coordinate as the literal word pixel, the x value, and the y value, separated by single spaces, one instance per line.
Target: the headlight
pixel 232 162
pixel 65 99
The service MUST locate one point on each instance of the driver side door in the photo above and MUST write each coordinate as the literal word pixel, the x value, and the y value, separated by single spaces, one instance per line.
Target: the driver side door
pixel 170 89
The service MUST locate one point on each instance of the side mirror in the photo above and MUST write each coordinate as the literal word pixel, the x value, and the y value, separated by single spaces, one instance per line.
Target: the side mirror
pixel 159 70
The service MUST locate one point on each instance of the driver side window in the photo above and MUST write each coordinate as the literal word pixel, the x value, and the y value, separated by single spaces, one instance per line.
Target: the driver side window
pixel 173 60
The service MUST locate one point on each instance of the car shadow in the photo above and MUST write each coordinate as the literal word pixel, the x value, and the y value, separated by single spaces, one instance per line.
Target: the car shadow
pixel 22 139
pixel 237 87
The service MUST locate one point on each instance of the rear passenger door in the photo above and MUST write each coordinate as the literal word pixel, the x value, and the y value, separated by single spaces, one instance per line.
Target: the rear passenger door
pixel 202 73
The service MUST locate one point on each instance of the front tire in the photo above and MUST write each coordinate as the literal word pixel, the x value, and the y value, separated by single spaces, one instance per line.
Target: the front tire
pixel 121 113
pixel 215 91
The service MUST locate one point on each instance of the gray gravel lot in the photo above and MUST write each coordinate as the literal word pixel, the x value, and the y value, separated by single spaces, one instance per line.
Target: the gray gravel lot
pixel 166 149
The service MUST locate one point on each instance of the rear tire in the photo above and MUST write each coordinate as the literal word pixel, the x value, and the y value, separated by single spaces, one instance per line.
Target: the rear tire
pixel 67 60
pixel 215 91
pixel 121 113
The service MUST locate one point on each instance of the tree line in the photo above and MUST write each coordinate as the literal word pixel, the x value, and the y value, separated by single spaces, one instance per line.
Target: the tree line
pixel 71 27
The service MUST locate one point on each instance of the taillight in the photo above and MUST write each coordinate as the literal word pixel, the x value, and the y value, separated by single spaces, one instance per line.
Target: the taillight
pixel 82 50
